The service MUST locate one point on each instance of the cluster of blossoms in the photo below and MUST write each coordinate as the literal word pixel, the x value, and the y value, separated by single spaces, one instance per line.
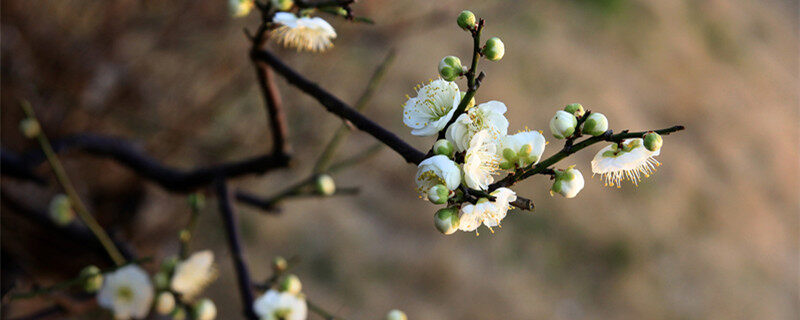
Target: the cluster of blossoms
pixel 474 146
pixel 129 293
pixel 294 30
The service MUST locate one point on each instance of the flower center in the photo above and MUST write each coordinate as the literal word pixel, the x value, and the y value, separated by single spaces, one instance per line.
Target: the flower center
pixel 125 294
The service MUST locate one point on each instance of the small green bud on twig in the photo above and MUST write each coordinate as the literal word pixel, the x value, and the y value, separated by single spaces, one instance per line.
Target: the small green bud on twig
pixel 466 20
pixel 30 128
pixel 494 49
pixel 92 278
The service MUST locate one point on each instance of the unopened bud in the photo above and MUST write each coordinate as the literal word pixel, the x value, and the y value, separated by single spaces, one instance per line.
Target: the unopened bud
pixel 653 141
pixel 168 265
pixel 161 280
pixel 204 309
pixel 450 68
pixel 178 314
pixel 438 194
pixel 61 210
pixel 282 5
pixel 165 303
pixel 30 128
pixel 567 182
pixel 446 220
pixel 396 315
pixel 575 109
pixel 240 8
pixel 92 278
pixel 291 284
pixel 279 264
pixel 563 124
pixel 325 185
pixel 494 49
pixel 596 124
pixel 444 147
pixel 466 19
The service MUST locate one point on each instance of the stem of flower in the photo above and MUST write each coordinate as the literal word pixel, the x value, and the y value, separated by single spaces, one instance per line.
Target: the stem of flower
pixel 66 184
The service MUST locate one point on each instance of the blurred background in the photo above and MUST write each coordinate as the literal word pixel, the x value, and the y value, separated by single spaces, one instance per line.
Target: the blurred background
pixel 712 235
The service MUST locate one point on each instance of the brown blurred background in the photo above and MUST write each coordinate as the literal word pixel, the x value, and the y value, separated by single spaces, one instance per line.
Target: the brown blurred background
pixel 712 235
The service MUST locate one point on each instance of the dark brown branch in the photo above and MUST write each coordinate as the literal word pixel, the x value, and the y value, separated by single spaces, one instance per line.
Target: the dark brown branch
pixel 170 178
pixel 235 243
pixel 341 109
pixel 269 90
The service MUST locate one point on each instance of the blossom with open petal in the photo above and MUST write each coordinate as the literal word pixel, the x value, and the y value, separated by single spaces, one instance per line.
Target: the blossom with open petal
pixel 428 112
pixel 485 116
pixel 305 33
pixel 631 161
pixel 127 292
pixel 194 274
pixel 523 148
pixel 275 305
pixel 437 170
pixel 488 213
pixel 481 161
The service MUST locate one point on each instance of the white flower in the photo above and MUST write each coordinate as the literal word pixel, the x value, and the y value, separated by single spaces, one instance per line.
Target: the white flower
pixel 432 108
pixel 567 183
pixel 481 161
pixel 274 305
pixel 240 8
pixel 127 292
pixel 436 170
pixel 630 162
pixel 488 213
pixel 524 148
pixel 311 34
pixel 194 274
pixel 486 116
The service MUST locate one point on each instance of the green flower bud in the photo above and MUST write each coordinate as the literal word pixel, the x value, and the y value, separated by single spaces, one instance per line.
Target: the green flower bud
pixel 168 265
pixel 325 185
pixel 396 315
pixel 494 49
pixel 61 210
pixel 291 284
pixel 596 124
pixel 30 128
pixel 204 309
pixel 575 109
pixel 165 303
pixel 282 5
pixel 563 124
pixel 505 165
pixel 279 264
pixel 178 314
pixel 466 20
pixel 444 147
pixel 161 280
pixel 653 141
pixel 567 182
pixel 92 278
pixel 446 220
pixel 185 235
pixel 450 68
pixel 438 194
pixel 197 201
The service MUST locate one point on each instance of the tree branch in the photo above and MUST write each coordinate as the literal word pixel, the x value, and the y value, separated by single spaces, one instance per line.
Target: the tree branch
pixel 235 244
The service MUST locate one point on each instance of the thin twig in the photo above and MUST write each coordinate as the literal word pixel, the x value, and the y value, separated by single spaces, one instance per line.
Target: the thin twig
pixel 66 183
pixel 235 244
pixel 321 312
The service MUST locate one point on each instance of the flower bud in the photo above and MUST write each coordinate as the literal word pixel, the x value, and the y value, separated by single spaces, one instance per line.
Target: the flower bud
pixel 596 124
pixel 563 124
pixel 30 128
pixel 279 264
pixel 92 278
pixel 240 8
pixel 168 265
pixel 396 315
pixel 446 220
pixel 494 49
pixel 161 280
pixel 325 185
pixel 282 5
pixel 291 284
pixel 575 109
pixel 444 147
pixel 466 20
pixel 165 303
pixel 61 210
pixel 178 314
pixel 204 309
pixel 450 68
pixel 567 182
pixel 197 201
pixel 438 194
pixel 653 141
